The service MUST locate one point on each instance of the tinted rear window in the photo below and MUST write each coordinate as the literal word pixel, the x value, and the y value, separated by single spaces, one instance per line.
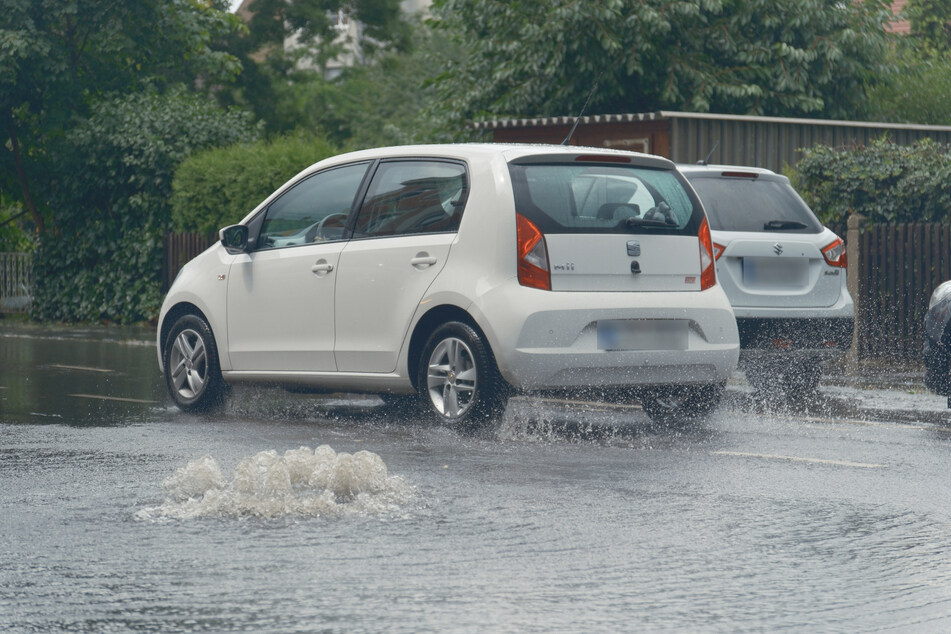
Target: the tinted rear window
pixel 749 204
pixel 598 198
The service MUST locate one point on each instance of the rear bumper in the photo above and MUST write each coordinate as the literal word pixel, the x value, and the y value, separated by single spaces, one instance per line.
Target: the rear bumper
pixel 549 340
pixel 803 337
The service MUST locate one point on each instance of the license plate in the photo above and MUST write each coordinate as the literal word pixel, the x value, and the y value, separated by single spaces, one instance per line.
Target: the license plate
pixel 642 334
pixel 786 272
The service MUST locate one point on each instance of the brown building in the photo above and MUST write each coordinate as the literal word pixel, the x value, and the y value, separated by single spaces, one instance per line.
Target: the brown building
pixel 687 137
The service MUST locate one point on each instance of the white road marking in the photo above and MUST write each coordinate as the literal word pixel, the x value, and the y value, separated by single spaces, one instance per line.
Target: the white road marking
pixel 766 456
pixel 79 367
pixel 113 398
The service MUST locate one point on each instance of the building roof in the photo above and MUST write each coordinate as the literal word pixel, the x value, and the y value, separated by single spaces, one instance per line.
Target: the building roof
pixel 663 115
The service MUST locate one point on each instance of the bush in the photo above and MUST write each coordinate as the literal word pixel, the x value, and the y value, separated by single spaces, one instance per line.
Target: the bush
pixel 884 182
pixel 100 258
pixel 218 187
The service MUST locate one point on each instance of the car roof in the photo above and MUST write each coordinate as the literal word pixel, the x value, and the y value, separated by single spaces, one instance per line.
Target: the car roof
pixel 695 169
pixel 506 151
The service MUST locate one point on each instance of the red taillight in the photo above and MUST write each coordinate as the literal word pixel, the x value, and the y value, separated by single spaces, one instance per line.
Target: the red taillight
pixel 835 254
pixel 718 250
pixel 708 273
pixel 533 269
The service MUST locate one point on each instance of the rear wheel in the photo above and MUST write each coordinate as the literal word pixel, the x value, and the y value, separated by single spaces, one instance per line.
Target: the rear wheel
pixel 458 378
pixel 774 380
pixel 192 370
pixel 681 403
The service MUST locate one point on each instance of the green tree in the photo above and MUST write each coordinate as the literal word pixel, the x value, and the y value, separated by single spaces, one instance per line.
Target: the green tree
pixel 59 57
pixel 391 100
pixel 275 79
pixel 765 57
pixel 918 91
pixel 101 258
pixel 930 25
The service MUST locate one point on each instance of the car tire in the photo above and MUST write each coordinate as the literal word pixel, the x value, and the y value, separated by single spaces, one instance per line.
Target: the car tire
pixel 782 380
pixel 937 374
pixel 458 379
pixel 802 383
pixel 192 368
pixel 680 404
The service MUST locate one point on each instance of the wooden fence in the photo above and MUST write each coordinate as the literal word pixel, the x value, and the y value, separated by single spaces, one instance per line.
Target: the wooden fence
pixel 179 249
pixel 899 266
pixel 16 287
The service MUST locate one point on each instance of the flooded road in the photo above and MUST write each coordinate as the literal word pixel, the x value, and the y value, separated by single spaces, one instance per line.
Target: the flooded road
pixel 286 513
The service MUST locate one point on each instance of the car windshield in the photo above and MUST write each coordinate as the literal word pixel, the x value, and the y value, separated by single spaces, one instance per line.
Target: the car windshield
pixel 753 204
pixel 598 198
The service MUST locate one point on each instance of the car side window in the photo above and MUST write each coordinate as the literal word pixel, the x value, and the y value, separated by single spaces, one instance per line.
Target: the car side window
pixel 314 210
pixel 409 197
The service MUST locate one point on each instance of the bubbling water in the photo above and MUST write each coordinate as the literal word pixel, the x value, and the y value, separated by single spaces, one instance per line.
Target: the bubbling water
pixel 301 482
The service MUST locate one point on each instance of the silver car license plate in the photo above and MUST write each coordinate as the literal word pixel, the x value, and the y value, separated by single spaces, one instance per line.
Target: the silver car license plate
pixel 642 334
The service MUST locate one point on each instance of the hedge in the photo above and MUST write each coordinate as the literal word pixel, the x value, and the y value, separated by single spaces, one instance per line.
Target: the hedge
pixel 218 187
pixel 883 181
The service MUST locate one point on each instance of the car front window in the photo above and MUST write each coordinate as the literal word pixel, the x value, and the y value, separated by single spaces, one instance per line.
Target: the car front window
pixel 314 210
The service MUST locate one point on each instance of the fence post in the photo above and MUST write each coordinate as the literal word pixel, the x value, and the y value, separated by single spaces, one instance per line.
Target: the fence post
pixel 853 254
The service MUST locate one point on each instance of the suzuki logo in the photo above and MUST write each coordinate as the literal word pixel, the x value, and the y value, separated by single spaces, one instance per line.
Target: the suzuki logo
pixel 778 249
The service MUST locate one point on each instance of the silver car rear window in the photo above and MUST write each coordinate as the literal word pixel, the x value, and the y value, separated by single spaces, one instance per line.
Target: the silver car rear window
pixel 750 204
pixel 599 198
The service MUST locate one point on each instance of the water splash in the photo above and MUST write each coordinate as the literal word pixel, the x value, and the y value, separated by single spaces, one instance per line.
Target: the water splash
pixel 302 482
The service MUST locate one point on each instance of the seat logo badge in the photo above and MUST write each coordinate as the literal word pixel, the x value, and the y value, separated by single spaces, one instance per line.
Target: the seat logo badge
pixel 778 249
pixel 633 248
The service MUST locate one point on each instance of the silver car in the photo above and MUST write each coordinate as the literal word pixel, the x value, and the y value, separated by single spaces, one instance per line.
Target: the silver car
pixel 449 276
pixel 784 273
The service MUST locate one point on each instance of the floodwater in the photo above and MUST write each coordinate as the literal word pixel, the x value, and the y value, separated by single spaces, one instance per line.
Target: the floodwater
pixel 286 513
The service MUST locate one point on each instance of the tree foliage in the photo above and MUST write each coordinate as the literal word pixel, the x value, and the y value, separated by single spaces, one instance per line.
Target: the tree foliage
pixel 59 57
pixel 763 57
pixel 918 91
pixel 279 75
pixel 219 186
pixel 101 259
pixel 884 181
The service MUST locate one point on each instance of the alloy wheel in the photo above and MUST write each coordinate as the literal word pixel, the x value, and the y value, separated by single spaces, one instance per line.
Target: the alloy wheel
pixel 452 378
pixel 188 359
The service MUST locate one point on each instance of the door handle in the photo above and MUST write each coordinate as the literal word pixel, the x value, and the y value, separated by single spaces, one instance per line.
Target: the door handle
pixel 322 267
pixel 422 260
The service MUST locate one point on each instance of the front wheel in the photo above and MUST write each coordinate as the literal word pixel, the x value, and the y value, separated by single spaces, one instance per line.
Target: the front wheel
pixel 458 378
pixel 192 370
pixel 681 403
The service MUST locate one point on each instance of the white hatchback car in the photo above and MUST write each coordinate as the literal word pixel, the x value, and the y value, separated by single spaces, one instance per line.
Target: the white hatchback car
pixel 784 273
pixel 451 275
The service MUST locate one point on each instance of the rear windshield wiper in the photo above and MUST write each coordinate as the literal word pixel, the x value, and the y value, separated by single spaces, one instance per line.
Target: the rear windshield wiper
pixel 780 225
pixel 648 222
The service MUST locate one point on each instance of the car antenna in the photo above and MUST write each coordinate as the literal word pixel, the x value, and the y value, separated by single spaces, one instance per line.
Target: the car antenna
pixel 583 108
pixel 707 160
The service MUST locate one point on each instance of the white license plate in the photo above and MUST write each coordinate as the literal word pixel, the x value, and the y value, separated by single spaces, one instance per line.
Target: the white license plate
pixel 642 334
pixel 785 272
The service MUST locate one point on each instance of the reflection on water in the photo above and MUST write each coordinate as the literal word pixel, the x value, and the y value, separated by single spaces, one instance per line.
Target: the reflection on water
pixel 301 482
pixel 78 376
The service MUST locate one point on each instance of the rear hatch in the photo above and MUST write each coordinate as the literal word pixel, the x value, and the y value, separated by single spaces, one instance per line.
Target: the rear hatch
pixel 612 222
pixel 768 242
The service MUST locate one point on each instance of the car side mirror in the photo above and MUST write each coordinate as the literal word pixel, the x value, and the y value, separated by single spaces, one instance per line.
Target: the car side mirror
pixel 234 238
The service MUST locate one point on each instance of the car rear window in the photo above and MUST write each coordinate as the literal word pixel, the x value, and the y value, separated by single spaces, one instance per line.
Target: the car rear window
pixel 600 198
pixel 753 204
